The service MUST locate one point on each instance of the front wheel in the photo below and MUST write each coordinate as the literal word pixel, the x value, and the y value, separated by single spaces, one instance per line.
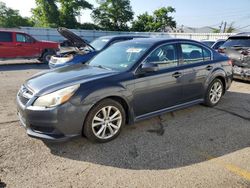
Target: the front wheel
pixel 214 93
pixel 104 121
pixel 46 56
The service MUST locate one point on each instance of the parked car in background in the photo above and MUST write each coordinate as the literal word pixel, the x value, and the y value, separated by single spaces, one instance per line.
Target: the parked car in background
pixel 237 48
pixel 127 82
pixel 209 43
pixel 80 50
pixel 15 44
pixel 218 44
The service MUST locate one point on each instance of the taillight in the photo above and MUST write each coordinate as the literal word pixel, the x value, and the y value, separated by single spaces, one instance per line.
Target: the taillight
pixel 230 62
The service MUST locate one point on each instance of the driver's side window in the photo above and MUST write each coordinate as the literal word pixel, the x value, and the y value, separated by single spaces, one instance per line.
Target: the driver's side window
pixel 165 56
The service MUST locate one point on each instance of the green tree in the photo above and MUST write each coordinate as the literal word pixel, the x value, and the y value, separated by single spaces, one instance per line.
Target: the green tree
pixel 113 15
pixel 159 21
pixel 46 14
pixel 231 28
pixel 143 23
pixel 11 18
pixel 70 9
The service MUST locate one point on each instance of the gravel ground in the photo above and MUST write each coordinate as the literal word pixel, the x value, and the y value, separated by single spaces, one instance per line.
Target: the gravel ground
pixel 194 147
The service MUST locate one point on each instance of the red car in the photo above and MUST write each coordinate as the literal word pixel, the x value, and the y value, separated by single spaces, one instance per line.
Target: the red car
pixel 21 45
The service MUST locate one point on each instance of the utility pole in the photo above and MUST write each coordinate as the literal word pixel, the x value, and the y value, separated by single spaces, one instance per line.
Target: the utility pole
pixel 225 26
pixel 221 26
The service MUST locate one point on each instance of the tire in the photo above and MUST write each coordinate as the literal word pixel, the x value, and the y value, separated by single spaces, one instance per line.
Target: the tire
pixel 101 128
pixel 46 56
pixel 214 93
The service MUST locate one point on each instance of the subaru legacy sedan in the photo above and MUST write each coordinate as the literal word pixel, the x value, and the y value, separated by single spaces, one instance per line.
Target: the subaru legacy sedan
pixel 127 82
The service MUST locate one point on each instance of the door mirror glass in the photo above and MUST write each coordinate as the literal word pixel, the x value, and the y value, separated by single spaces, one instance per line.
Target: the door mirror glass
pixel 149 67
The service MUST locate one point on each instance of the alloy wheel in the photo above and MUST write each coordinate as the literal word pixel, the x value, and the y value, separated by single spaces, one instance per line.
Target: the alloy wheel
pixel 107 122
pixel 215 92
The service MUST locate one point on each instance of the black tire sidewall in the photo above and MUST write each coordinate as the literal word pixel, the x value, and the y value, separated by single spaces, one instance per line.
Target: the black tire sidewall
pixel 207 99
pixel 45 54
pixel 87 128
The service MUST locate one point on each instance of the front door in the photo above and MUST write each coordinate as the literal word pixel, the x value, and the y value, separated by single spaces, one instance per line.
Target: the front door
pixel 161 89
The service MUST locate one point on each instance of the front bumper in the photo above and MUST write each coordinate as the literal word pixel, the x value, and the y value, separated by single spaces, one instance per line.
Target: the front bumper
pixel 55 124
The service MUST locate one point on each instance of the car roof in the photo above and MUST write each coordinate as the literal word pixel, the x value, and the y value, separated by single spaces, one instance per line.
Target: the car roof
pixel 12 31
pixel 122 36
pixel 155 41
pixel 244 34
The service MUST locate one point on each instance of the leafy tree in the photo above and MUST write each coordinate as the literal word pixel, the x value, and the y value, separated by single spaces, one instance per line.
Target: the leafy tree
pixel 159 21
pixel 143 23
pixel 231 28
pixel 46 13
pixel 113 14
pixel 70 9
pixel 11 18
pixel 89 26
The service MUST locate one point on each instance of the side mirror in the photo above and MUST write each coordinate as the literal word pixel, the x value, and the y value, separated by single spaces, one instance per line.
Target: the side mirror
pixel 149 67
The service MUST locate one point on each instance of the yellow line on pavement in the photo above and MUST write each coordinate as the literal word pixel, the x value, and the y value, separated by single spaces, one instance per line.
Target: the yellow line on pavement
pixel 230 167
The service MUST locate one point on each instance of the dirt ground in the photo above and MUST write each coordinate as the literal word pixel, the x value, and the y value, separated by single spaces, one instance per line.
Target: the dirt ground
pixel 194 147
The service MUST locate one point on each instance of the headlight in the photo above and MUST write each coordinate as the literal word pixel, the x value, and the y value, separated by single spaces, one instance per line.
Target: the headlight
pixel 56 98
pixel 61 60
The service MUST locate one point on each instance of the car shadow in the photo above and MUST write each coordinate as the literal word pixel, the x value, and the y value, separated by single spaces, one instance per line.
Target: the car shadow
pixel 20 67
pixel 173 140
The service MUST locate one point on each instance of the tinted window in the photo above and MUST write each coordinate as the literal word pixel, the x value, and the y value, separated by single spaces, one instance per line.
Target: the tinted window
pixel 193 53
pixel 217 45
pixel 237 42
pixel 5 37
pixel 120 56
pixel 23 38
pixel 165 56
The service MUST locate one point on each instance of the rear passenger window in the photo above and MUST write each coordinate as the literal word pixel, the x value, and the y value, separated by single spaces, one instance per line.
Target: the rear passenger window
pixel 165 56
pixel 5 37
pixel 193 54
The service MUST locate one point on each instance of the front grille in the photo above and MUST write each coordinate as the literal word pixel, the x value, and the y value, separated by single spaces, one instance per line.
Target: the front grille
pixel 24 95
pixel 23 99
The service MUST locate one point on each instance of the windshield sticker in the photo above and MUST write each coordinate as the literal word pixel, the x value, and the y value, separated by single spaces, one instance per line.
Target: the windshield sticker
pixel 123 65
pixel 134 50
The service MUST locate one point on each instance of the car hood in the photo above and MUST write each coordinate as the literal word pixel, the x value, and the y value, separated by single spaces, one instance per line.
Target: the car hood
pixel 52 80
pixel 76 40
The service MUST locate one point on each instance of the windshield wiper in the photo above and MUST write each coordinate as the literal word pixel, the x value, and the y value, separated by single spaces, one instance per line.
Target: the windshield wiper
pixel 102 67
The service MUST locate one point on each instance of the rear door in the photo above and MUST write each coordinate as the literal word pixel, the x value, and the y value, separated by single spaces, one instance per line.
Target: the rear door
pixel 196 63
pixel 7 45
pixel 26 46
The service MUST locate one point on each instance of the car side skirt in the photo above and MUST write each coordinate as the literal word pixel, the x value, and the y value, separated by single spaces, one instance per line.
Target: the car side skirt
pixel 169 109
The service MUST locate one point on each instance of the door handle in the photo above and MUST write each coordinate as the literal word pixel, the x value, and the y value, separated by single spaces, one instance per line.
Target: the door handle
pixel 18 44
pixel 209 67
pixel 177 74
pixel 1 44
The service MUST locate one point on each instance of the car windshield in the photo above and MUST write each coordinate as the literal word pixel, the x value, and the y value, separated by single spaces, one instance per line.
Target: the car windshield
pixel 237 42
pixel 99 43
pixel 120 56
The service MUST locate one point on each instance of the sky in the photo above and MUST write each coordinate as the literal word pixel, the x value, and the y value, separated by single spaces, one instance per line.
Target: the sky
pixel 192 13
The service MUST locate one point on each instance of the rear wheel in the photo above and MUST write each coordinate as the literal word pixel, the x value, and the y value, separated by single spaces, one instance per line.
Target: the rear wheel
pixel 46 56
pixel 214 93
pixel 104 121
